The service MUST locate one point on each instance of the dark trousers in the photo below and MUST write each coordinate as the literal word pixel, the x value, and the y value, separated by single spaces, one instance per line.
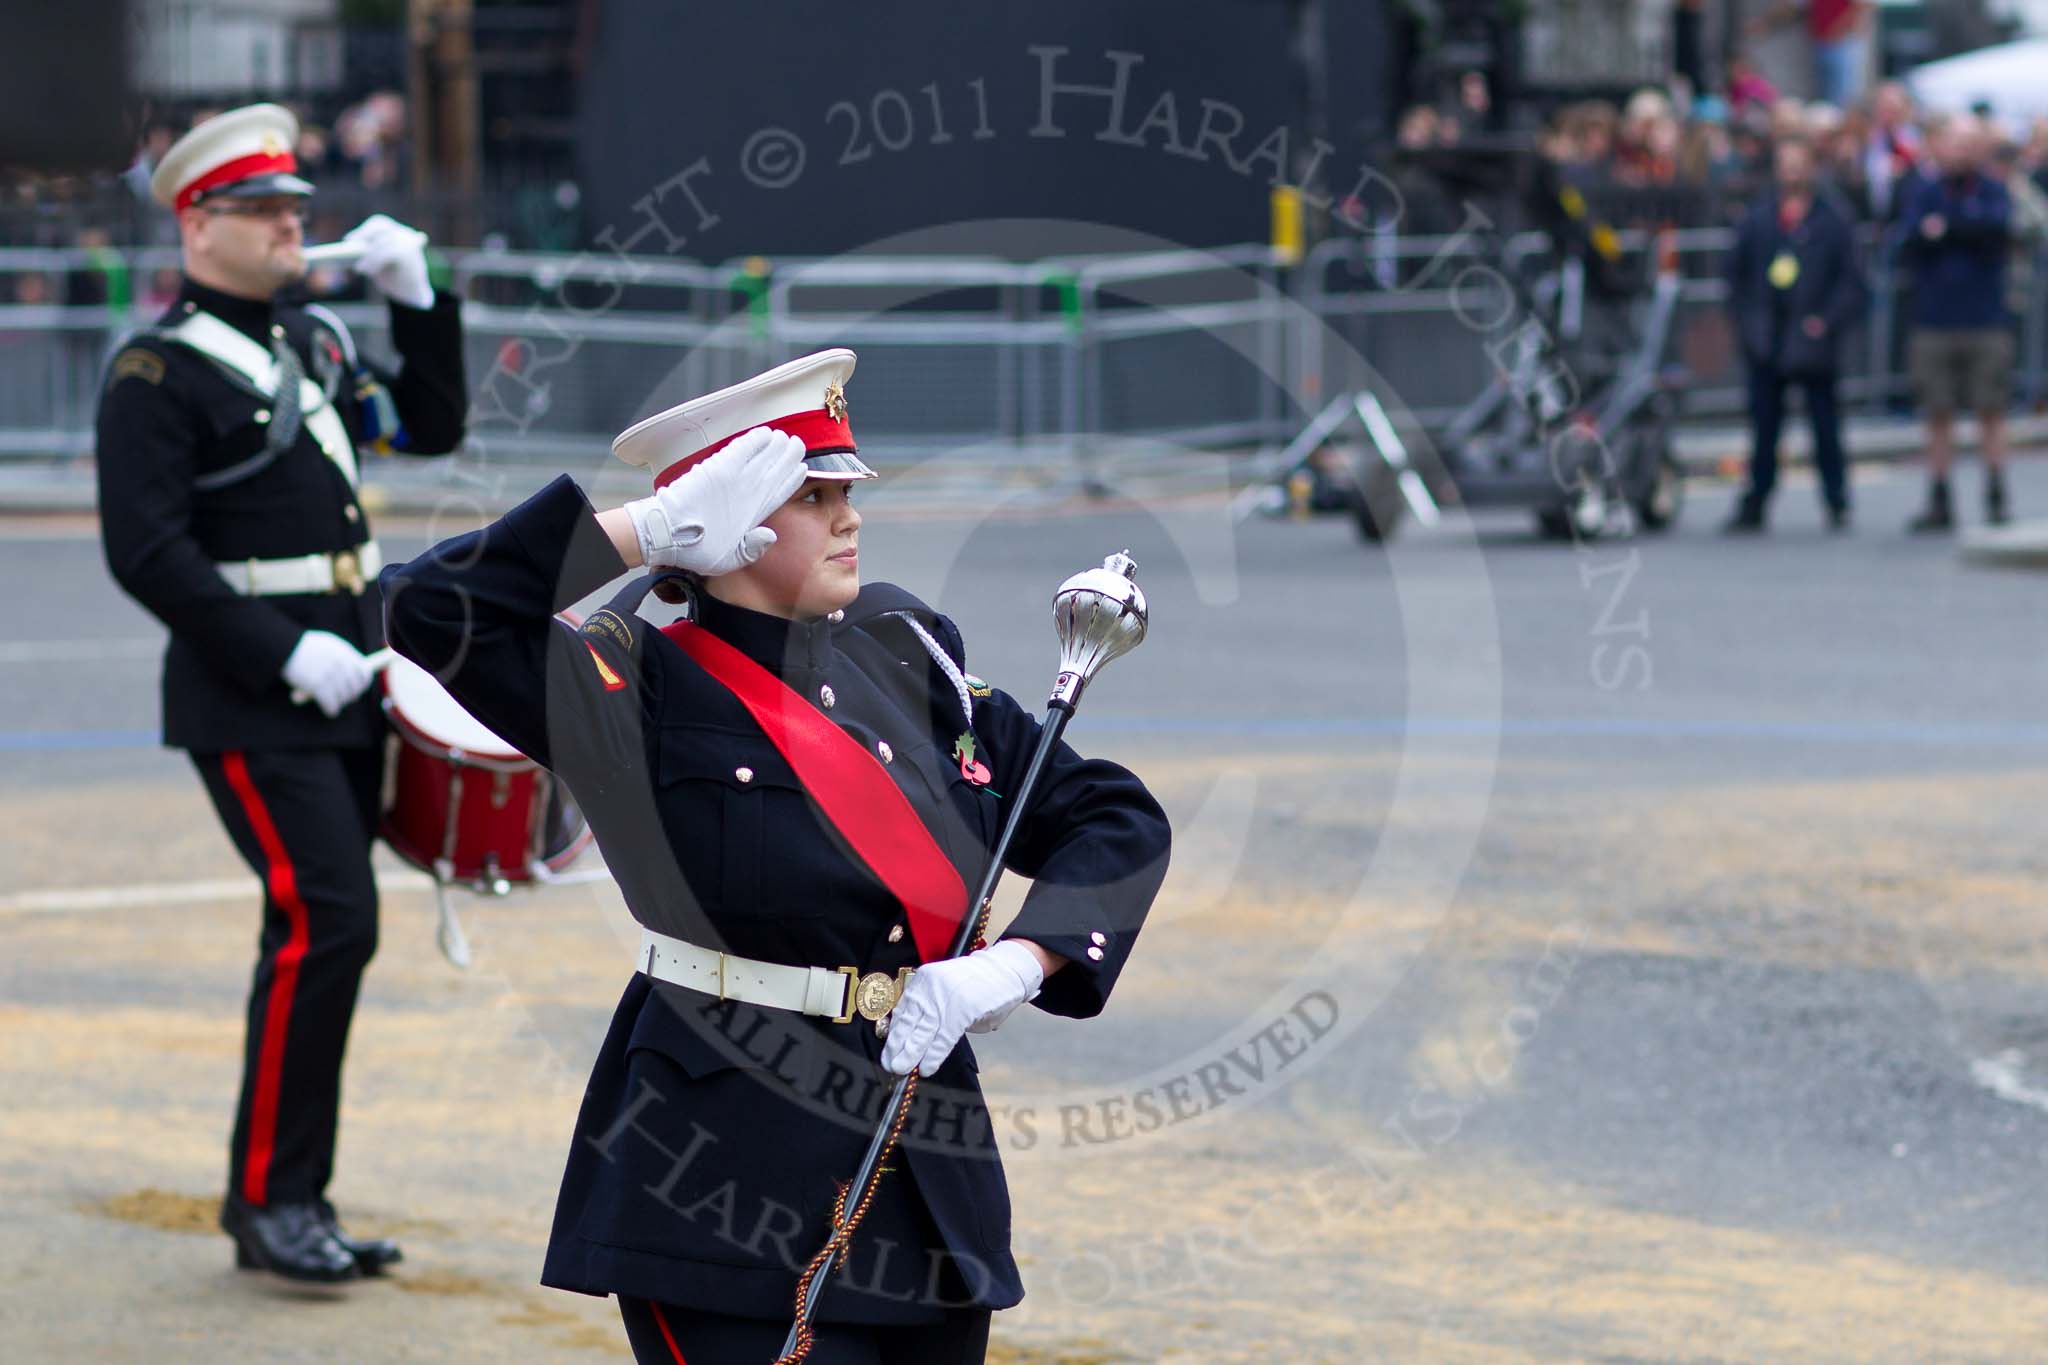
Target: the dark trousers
pixel 303 820
pixel 1767 420
pixel 667 1335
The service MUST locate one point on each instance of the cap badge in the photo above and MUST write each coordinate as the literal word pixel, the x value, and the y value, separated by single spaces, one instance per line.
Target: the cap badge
pixel 272 145
pixel 835 402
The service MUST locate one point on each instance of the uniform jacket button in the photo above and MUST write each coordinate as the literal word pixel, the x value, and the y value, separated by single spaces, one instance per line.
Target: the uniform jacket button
pixel 835 617
pixel 895 933
pixel 276 329
pixel 888 754
pixel 263 414
pixel 1095 953
pixel 1098 938
pixel 826 697
pixel 743 774
pixel 351 513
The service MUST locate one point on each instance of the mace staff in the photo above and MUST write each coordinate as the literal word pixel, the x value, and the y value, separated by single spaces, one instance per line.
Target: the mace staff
pixel 1099 615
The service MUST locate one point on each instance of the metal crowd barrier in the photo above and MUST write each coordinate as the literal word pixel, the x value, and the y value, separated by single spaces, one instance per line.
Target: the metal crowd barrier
pixel 1050 360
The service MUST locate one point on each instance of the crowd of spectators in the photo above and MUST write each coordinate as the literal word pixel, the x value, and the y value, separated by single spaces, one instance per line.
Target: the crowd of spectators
pixel 1665 156
pixel 1955 202
pixel 362 155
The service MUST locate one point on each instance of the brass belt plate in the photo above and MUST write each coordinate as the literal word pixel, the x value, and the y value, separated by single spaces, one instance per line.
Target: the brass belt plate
pixel 348 573
pixel 878 993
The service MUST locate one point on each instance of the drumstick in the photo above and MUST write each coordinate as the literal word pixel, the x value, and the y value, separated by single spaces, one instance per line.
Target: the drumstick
pixel 332 253
pixel 378 660
pixel 344 252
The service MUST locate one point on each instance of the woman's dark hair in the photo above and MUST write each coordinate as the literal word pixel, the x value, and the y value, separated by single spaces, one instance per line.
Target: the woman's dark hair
pixel 679 588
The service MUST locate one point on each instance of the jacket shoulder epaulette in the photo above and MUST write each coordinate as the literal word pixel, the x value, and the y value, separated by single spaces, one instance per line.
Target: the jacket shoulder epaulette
pixel 879 611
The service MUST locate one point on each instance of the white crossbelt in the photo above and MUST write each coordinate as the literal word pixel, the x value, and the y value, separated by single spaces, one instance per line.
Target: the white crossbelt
pixel 824 991
pixel 348 571
pixel 207 334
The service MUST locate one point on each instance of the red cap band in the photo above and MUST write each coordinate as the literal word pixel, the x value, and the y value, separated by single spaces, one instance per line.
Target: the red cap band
pixel 241 168
pixel 817 429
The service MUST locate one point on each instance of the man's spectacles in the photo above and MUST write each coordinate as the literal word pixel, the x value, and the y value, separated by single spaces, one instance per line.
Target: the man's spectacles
pixel 261 208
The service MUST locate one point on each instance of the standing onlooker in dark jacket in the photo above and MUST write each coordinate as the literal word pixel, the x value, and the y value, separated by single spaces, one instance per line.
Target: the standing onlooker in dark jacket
pixel 1956 231
pixel 1891 149
pixel 1794 287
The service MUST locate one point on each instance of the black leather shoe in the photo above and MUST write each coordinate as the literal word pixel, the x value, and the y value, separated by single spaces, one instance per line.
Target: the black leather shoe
pixel 1745 520
pixel 1939 514
pixel 291 1240
pixel 373 1254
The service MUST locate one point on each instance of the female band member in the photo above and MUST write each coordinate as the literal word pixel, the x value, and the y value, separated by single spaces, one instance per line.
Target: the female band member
pixel 791 788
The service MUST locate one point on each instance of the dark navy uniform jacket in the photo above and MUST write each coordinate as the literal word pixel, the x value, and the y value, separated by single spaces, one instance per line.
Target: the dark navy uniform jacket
pixel 168 418
pixel 1958 277
pixel 1827 283
pixel 713 1136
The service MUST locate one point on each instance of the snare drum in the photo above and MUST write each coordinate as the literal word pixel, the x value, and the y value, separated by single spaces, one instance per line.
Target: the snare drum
pixel 460 803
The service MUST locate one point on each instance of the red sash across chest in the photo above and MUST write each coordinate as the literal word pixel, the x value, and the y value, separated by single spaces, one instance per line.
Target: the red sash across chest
pixel 849 787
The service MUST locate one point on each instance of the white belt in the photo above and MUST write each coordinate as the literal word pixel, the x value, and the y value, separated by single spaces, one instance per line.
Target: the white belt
pixel 835 993
pixel 349 571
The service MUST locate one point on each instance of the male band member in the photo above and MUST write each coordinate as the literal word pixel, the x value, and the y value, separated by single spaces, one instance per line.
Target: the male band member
pixel 228 442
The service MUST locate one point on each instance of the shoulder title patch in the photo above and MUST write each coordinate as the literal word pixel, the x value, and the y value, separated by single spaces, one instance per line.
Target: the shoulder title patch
pixel 136 363
pixel 607 624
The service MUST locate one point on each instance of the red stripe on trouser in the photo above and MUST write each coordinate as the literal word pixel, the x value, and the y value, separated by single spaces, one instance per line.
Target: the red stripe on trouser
pixel 661 1321
pixel 282 883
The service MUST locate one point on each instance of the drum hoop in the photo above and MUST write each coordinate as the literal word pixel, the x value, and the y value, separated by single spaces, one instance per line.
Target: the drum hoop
pixel 409 732
pixel 575 850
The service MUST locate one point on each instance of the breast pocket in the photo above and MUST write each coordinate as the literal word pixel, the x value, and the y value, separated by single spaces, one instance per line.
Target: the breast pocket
pixel 964 816
pixel 234 437
pixel 733 803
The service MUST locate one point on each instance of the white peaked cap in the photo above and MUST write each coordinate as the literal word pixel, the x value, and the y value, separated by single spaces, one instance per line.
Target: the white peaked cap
pixel 243 152
pixel 805 398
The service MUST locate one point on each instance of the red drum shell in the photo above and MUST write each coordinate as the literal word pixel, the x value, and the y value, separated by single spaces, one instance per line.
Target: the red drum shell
pixel 460 803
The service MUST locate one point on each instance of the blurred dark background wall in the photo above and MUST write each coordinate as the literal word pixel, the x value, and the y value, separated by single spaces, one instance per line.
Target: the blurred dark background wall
pixel 64 85
pixel 926 111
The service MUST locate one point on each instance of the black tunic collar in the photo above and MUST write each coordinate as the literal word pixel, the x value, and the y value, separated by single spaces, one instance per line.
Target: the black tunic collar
pixel 251 317
pixel 779 645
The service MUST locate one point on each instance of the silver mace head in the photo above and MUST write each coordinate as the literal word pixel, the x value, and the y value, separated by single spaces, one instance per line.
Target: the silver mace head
pixel 1099 615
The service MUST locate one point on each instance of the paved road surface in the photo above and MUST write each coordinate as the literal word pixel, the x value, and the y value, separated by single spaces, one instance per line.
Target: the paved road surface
pixel 1621 953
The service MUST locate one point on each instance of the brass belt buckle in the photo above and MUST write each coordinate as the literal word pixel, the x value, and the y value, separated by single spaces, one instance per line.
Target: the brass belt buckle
pixel 853 983
pixel 348 573
pixel 878 994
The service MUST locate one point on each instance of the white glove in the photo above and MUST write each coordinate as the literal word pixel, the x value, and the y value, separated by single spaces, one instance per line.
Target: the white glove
pixel 709 520
pixel 395 258
pixel 328 669
pixel 971 994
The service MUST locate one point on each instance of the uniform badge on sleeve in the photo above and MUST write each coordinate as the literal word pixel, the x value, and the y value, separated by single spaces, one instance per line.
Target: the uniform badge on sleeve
pixel 136 363
pixel 606 625
pixel 611 680
pixel 976 687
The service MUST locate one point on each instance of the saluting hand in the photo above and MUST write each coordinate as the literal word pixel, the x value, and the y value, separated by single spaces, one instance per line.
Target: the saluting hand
pixel 971 994
pixel 709 520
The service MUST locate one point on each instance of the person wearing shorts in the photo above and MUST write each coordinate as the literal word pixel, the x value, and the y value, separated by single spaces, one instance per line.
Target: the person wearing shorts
pixel 1961 352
